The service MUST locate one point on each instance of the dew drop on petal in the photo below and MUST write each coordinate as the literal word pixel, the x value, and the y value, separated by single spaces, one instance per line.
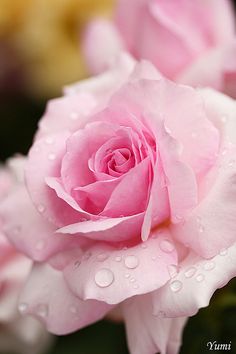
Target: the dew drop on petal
pixel 73 309
pixel 49 140
pixel 127 275
pixel 131 262
pixel 209 265
pixel 223 252
pixel 143 245
pixel 189 273
pixel 135 286
pixel 132 280
pixel 176 286
pixel 42 310
pixel 23 307
pixel 118 258
pixel 41 208
pixel 173 270
pixel 104 278
pixel 200 278
pixel 51 156
pixel 167 246
pixel 102 256
pixel 77 264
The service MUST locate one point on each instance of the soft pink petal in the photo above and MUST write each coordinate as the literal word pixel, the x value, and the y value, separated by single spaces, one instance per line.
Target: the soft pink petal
pixel 26 229
pixel 80 148
pixel 107 229
pixel 45 161
pixel 102 43
pixel 47 297
pixel 195 283
pixel 211 225
pixel 112 275
pixel 125 200
pixel 149 334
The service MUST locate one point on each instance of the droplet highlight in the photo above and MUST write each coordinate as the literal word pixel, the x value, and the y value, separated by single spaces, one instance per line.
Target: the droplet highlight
pixel 104 278
pixel 131 262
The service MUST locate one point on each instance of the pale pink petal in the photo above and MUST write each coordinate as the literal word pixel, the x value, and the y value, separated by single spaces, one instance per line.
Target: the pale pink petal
pixel 125 200
pixel 211 225
pixel 25 228
pixel 45 161
pixel 102 43
pixel 109 274
pixel 47 297
pixel 80 148
pixel 195 283
pixel 221 110
pixel 149 334
pixel 107 229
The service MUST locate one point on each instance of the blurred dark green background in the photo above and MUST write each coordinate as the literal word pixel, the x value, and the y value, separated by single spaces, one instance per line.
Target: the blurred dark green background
pixel 19 114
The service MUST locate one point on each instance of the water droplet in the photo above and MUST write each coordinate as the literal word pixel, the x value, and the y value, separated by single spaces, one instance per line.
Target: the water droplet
pixel 51 156
pixel 167 246
pixel 209 265
pixel 135 286
pixel 201 228
pixel 127 275
pixel 41 208
pixel 173 270
pixel 154 258
pixel 200 278
pixel 223 252
pixel 77 264
pixel 74 116
pixel 104 277
pixel 231 163
pixel 132 280
pixel 87 256
pixel 23 307
pixel 118 258
pixel 102 257
pixel 83 219
pixel 40 245
pixel 42 310
pixel 189 273
pixel 73 309
pixel 49 140
pixel 143 245
pixel 131 262
pixel 176 286
pixel 224 119
pixel 160 314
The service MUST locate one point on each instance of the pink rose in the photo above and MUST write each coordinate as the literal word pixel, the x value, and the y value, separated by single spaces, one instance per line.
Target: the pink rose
pixel 130 204
pixel 191 42
pixel 17 334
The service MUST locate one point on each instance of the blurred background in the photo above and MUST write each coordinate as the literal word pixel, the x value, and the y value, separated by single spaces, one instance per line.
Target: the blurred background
pixel 40 52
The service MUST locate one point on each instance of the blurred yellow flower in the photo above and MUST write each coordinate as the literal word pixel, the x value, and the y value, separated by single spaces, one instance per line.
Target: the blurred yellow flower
pixel 46 35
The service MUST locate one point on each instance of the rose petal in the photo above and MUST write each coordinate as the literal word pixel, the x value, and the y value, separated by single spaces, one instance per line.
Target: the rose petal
pixel 25 228
pixel 40 298
pixel 112 275
pixel 211 225
pixel 108 45
pixel 156 334
pixel 195 283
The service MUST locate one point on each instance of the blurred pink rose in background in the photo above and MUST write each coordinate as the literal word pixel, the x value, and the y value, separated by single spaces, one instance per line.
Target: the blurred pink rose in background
pixel 17 334
pixel 130 202
pixel 191 42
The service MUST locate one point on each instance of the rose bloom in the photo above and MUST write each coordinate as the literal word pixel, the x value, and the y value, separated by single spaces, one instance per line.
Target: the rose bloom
pixel 191 42
pixel 129 205
pixel 17 334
